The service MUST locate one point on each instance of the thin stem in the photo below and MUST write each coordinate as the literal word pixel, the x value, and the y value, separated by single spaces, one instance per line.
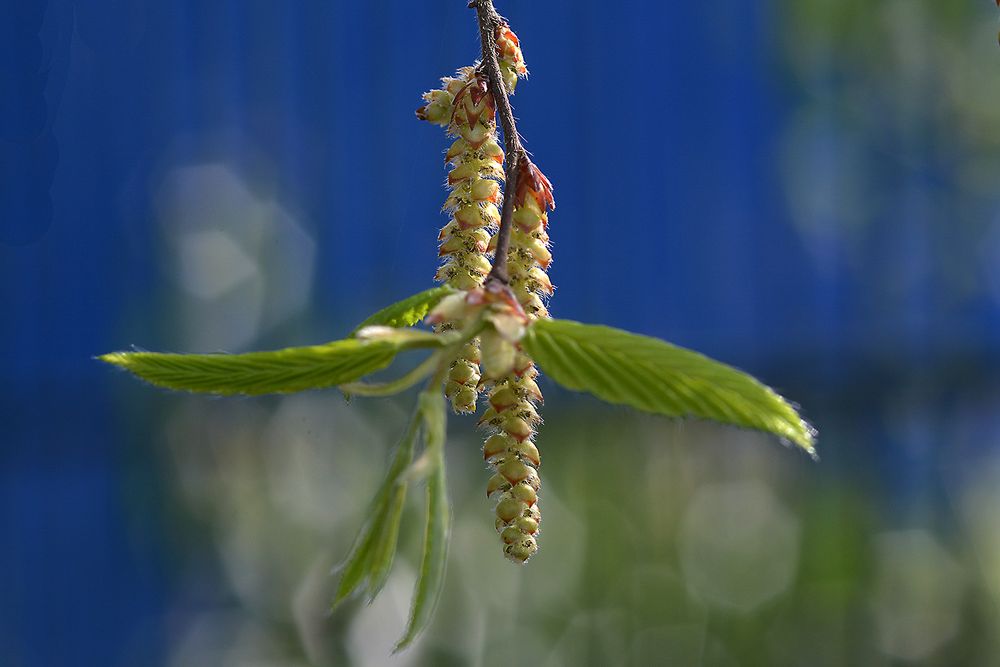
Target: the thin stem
pixel 489 21
pixel 394 386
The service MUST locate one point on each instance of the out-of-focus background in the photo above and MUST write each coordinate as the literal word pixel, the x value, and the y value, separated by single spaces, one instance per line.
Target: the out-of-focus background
pixel 807 189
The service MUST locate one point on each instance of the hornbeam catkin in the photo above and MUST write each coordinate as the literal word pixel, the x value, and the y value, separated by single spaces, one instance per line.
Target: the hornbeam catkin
pixel 513 397
pixel 464 105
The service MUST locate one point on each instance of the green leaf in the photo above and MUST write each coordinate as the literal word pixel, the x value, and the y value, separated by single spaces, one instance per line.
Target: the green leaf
pixel 277 371
pixel 409 311
pixel 371 557
pixel 385 548
pixel 430 580
pixel 655 376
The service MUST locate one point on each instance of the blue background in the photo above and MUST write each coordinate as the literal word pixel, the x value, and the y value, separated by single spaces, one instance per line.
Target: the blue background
pixel 665 128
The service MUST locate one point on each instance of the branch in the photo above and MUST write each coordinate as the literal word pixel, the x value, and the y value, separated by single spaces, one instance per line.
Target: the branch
pixel 489 21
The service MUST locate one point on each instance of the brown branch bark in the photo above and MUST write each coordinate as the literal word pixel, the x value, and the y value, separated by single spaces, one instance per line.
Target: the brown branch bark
pixel 489 21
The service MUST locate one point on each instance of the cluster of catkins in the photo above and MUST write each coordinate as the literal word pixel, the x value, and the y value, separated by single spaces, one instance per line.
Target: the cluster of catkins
pixel 466 108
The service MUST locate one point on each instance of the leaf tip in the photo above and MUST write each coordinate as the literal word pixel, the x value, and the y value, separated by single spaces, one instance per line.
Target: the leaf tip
pixel 403 644
pixel 808 439
pixel 120 359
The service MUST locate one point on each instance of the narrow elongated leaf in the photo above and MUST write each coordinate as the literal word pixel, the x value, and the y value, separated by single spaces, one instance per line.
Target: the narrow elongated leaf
pixel 385 548
pixel 371 557
pixel 430 580
pixel 276 371
pixel 655 376
pixel 409 311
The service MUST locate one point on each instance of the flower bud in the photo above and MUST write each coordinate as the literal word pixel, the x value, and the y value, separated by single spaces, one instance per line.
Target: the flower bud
pixel 475 216
pixel 511 534
pixel 539 252
pixel 497 483
pixel 464 401
pixel 527 451
pixel 508 323
pixel 540 280
pixel 523 549
pixel 533 513
pixel 524 493
pixel 462 172
pixel 524 366
pixel 451 388
pixel 470 352
pixel 516 428
pixel 449 309
pixel 478 264
pixel 529 388
pixel 509 508
pixel 526 525
pixel 485 189
pixel 528 412
pixel 464 279
pixel 503 398
pixel 464 372
pixel 497 355
pixel 533 305
pixel 438 107
pixel 514 470
pixel 527 219
pixel 476 135
pixel 496 445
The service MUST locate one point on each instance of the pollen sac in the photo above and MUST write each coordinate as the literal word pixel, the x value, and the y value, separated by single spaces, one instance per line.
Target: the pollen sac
pixel 438 107
pixel 528 219
pixel 509 507
pixel 527 525
pixel 497 483
pixel 517 428
pixel 496 445
pixel 464 372
pixel 527 386
pixel 451 388
pixel 513 470
pixel 511 534
pixel 503 398
pixel 522 550
pixel 477 216
pixel 470 352
pixel 464 402
pixel 525 493
pixel 485 190
pixel 527 451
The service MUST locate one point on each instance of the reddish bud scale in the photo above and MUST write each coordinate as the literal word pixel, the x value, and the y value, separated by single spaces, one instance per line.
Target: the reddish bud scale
pixel 510 58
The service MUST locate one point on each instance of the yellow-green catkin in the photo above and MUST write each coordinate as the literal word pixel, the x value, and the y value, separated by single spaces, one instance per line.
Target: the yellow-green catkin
pixel 512 414
pixel 464 105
